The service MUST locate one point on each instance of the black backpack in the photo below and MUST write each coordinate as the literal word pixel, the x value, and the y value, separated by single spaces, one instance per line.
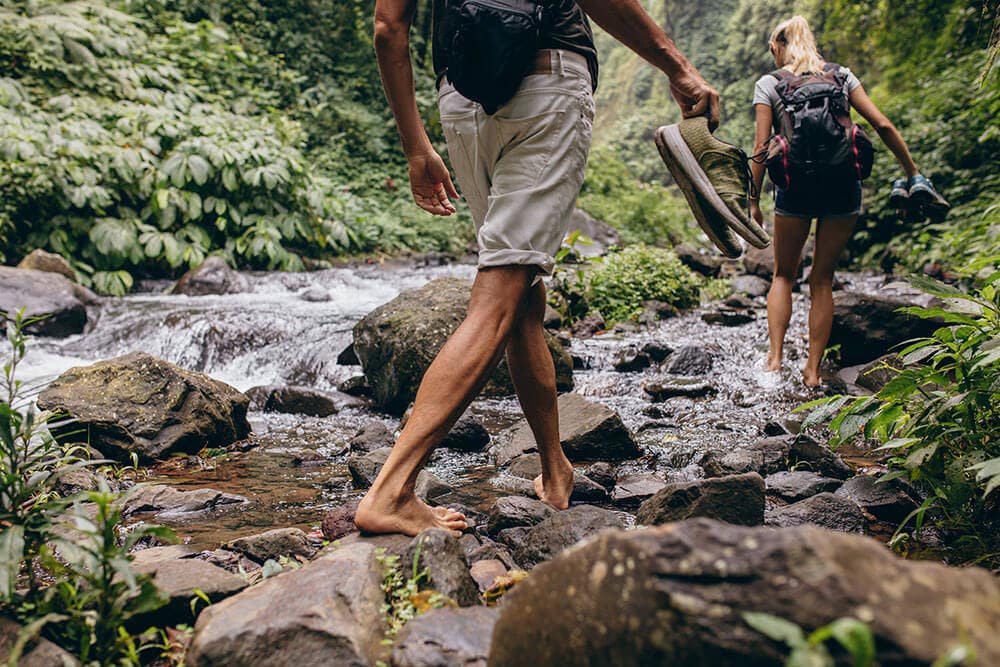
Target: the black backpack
pixel 815 138
pixel 491 46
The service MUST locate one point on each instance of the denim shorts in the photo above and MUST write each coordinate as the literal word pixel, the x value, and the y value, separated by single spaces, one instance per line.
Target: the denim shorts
pixel 829 198
pixel 520 170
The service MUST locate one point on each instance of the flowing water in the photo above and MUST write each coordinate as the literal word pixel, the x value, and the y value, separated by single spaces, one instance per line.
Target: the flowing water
pixel 289 329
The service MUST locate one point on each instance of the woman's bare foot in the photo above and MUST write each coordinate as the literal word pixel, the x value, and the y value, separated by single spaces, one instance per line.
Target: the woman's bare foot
pixel 811 378
pixel 773 363
pixel 556 490
pixel 408 516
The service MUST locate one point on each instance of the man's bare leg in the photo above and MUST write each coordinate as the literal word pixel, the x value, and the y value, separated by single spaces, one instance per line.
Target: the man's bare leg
pixel 454 378
pixel 534 376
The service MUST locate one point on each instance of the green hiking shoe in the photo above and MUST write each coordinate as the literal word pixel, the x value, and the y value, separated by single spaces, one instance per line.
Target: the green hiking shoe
pixel 715 179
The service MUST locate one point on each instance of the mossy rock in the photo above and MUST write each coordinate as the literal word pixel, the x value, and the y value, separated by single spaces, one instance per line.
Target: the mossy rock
pixel 397 342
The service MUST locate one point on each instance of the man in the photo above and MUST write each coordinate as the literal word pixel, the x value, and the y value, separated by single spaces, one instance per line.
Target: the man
pixel 520 170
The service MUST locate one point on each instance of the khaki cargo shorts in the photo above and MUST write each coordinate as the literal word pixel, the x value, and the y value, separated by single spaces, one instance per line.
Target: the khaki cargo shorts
pixel 521 169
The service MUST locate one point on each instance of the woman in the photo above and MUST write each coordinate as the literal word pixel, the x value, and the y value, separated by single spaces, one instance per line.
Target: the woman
pixel 834 202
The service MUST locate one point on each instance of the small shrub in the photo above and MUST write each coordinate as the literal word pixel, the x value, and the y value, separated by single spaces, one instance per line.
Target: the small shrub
pixel 852 635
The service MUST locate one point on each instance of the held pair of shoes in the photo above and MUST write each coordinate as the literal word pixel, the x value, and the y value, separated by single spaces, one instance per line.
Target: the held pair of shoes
pixel 715 179
pixel 915 199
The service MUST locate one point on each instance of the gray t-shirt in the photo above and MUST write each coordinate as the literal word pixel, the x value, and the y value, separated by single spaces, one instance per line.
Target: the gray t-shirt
pixel 766 89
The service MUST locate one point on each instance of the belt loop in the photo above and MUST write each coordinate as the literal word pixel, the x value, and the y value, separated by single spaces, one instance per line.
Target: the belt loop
pixel 562 63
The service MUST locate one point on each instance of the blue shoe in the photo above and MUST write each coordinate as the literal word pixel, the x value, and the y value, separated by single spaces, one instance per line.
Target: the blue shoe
pixel 923 194
pixel 899 198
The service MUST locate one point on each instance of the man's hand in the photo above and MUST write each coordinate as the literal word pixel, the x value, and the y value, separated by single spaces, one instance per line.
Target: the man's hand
pixel 431 184
pixel 695 96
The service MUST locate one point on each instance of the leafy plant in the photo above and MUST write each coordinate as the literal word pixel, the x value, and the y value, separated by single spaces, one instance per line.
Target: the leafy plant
pixel 404 599
pixel 937 423
pixel 852 635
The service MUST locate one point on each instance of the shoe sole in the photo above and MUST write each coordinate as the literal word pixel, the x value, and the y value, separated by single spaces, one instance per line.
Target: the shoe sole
pixel 899 202
pixel 685 169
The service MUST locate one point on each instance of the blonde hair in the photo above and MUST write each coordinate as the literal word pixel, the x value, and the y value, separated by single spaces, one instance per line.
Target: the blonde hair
pixel 794 44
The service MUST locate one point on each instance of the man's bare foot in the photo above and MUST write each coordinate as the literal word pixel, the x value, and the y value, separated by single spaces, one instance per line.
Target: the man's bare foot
pixel 556 491
pixel 408 516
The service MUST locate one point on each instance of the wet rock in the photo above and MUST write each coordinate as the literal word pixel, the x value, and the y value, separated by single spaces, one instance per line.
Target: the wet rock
pixel 356 386
pixel 40 260
pixel 878 373
pixel 808 454
pixel 340 521
pixel 168 501
pixel 698 261
pixel 179 579
pixel 516 511
pixel 727 317
pixel 563 530
pixel 867 326
pixel 774 428
pixel 759 262
pixel 885 501
pixel 632 360
pixel 39 652
pixel 138 403
pixel 61 302
pixel 587 430
pixel 156 555
pixel 446 638
pixel 467 435
pixel 603 473
pixel 513 538
pixel 674 596
pixel 588 326
pixel 274 544
pixel 316 295
pixel 365 468
pixel 632 490
pixel 213 277
pixel 740 302
pixel 657 351
pixel 326 613
pixel 752 286
pixel 372 436
pixel 439 553
pixel 798 484
pixel 602 235
pixel 672 387
pixel 348 357
pixel 586 490
pixel 692 360
pixel 485 572
pixel 293 400
pixel 397 342
pixel 526 466
pixel 81 480
pixel 230 561
pixel 552 319
pixel 735 499
pixel 394 544
pixel 825 510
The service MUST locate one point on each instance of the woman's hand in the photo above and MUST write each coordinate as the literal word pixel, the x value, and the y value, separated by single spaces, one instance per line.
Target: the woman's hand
pixel 431 183
pixel 756 213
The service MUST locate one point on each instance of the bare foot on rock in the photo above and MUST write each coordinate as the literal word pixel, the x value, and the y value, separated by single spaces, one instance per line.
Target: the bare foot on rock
pixel 557 489
pixel 409 516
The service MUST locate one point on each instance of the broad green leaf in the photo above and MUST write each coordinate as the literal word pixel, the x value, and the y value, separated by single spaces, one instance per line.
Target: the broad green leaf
pixel 857 638
pixel 775 627
pixel 199 168
pixel 11 553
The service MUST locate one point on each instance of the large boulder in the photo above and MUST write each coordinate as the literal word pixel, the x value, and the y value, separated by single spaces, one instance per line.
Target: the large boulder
pixel 735 499
pixel 515 511
pixel 40 260
pixel 168 501
pixel 446 638
pixel 588 431
pixel 296 400
pixel 867 326
pixel 61 302
pixel 675 595
pixel 213 277
pixel 886 501
pixel 38 652
pixel 179 581
pixel 397 342
pixel 139 404
pixel 439 553
pixel 326 613
pixel 824 509
pixel 561 531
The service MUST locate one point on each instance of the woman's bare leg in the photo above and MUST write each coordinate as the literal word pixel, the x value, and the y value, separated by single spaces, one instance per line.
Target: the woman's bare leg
pixel 832 234
pixel 789 238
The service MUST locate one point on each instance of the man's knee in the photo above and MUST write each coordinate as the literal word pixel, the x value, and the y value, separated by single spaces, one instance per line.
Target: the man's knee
pixel 498 298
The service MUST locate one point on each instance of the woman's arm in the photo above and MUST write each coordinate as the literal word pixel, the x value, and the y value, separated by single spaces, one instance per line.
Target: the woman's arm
pixel 886 130
pixel 764 118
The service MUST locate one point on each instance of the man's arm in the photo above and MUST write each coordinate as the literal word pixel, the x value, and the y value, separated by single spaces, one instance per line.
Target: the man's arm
pixel 631 25
pixel 430 181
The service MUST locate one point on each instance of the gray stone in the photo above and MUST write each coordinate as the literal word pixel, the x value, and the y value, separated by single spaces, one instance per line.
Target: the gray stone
pixel 514 511
pixel 274 544
pixel 692 360
pixel 667 387
pixel 876 374
pixel 751 285
pixel 356 386
pixel 213 277
pixel 552 318
pixel 867 326
pixel 365 468
pixel 467 435
pixel 587 431
pixel 325 613
pixel 526 466
pixel 727 317
pixel 798 484
pixel 675 595
pixel 561 531
pixel 61 302
pixel 735 499
pixel 806 453
pixel 603 473
pixel 179 580
pixel 631 360
pixel 295 400
pixel 316 294
pixel 40 260
pixel 632 490
pixel 586 490
pixel 446 638
pixel 397 342
pixel 339 522
pixel 486 571
pixel 885 501
pixel 765 456
pixel 166 501
pixel 348 357
pixel 154 555
pixel 696 260
pixel 372 436
pixel 602 235
pixel 38 652
pixel 825 510
pixel 441 556
pixel 143 405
